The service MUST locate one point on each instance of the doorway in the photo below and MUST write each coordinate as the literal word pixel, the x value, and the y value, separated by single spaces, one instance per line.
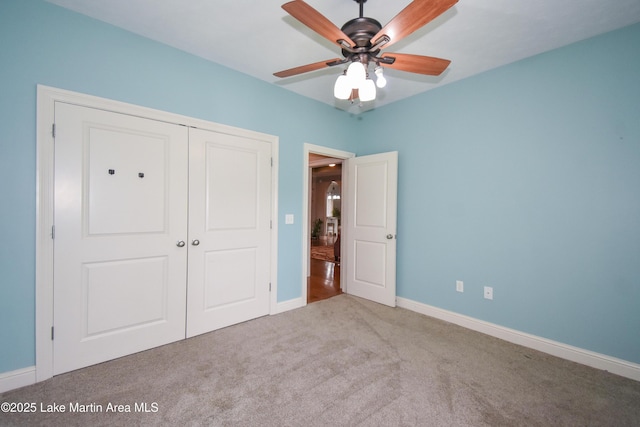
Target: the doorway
pixel 324 187
pixel 368 224
pixel 325 211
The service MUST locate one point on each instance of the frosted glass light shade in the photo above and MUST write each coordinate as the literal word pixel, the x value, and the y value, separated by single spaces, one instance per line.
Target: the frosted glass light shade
pixel 356 74
pixel 367 91
pixel 342 88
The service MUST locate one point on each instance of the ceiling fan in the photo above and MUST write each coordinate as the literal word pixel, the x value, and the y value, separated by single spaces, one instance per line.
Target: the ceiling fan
pixel 361 40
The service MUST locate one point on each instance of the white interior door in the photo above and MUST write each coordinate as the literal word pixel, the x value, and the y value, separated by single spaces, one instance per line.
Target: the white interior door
pixel 120 208
pixel 370 238
pixel 229 230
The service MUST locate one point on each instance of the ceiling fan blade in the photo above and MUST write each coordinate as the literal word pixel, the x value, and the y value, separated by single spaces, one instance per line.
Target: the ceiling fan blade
pixel 306 68
pixel 316 21
pixel 417 14
pixel 416 63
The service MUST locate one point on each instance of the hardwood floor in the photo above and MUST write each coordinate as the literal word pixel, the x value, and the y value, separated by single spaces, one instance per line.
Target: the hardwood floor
pixel 324 281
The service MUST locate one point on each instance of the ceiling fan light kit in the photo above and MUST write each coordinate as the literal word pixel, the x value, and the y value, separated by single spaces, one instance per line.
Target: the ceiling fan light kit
pixel 355 77
pixel 361 40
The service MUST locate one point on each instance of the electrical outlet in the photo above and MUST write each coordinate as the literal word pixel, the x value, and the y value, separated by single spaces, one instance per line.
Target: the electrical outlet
pixel 488 292
pixel 459 286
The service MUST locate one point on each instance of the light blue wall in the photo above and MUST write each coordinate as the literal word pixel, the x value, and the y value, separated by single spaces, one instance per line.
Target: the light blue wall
pixel 527 179
pixel 524 178
pixel 43 44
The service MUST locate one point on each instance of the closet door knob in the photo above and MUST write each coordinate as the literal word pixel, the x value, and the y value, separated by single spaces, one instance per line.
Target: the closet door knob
pixel 195 242
pixel 180 243
pixel 389 236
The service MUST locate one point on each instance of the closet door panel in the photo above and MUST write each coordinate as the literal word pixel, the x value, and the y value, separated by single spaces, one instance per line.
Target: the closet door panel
pixel 229 230
pixel 120 208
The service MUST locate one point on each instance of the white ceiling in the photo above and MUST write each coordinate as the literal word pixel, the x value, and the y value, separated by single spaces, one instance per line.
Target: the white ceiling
pixel 258 38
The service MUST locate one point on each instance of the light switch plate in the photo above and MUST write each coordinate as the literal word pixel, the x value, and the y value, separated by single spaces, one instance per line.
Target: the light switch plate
pixel 288 219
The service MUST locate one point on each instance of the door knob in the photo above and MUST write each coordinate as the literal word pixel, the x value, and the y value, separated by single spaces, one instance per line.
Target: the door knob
pixel 389 236
pixel 180 243
pixel 195 242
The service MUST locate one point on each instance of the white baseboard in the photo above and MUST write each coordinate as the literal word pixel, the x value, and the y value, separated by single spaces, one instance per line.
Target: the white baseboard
pixel 18 378
pixel 575 354
pixel 291 304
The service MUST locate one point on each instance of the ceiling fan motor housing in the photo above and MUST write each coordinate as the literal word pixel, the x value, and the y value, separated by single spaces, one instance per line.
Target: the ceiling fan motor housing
pixel 361 30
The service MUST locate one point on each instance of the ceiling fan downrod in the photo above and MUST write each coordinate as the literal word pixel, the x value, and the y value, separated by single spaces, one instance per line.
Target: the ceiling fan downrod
pixel 361 3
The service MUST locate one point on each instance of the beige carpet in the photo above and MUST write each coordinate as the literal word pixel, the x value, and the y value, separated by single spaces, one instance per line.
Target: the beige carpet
pixel 339 362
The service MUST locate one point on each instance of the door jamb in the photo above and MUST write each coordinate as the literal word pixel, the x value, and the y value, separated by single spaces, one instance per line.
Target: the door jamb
pixel 306 185
pixel 45 118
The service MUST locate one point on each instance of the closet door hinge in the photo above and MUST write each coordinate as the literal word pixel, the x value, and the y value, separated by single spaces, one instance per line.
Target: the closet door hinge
pixel 52 333
pixel 269 286
pixel 53 232
pixel 272 162
pixel 271 224
pixel 53 130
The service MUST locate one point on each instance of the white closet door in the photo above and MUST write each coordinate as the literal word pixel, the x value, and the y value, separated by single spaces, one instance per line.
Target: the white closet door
pixel 229 230
pixel 120 210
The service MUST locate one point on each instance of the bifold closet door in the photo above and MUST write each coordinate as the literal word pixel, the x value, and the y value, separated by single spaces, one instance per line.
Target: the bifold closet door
pixel 229 230
pixel 121 197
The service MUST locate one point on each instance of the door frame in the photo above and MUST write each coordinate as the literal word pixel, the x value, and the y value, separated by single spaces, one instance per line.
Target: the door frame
pixel 45 118
pixel 306 201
